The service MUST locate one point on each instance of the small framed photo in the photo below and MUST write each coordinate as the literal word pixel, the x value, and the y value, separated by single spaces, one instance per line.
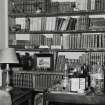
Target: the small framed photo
pixel 44 62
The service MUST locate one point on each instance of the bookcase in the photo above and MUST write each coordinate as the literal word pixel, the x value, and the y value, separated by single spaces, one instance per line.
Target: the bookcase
pixel 59 26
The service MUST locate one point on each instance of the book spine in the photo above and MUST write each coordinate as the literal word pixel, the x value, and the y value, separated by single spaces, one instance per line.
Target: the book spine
pixel 88 4
pixel 92 4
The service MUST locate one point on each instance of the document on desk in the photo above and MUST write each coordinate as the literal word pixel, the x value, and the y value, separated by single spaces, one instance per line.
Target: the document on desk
pixel 74 84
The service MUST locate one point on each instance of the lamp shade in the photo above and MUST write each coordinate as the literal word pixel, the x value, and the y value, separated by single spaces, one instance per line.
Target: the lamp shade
pixel 8 55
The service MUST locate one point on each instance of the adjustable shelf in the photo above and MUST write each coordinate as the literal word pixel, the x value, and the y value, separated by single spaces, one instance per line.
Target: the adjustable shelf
pixel 57 32
pixel 64 50
pixel 73 13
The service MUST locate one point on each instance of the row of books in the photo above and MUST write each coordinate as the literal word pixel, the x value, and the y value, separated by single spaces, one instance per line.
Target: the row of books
pixel 35 41
pixel 80 5
pixel 35 80
pixel 67 41
pixel 90 4
pixel 95 57
pixel 89 58
pixel 42 6
pixel 84 41
pixel 62 23
pixel 60 64
pixel 27 6
pixel 92 58
pixel 23 81
pixel 45 80
pixel 62 60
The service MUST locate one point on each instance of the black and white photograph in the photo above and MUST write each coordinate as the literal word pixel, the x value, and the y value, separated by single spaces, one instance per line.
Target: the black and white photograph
pixel 52 52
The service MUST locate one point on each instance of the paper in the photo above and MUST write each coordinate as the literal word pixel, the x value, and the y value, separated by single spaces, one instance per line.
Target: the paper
pixel 74 84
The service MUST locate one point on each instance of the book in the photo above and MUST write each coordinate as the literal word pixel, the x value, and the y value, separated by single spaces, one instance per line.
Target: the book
pixel 49 22
pixel 54 8
pixel 92 4
pixel 56 39
pixel 35 24
pixel 66 41
pixel 53 23
pixel 60 63
pixel 78 41
pixel 65 23
pixel 84 22
pixel 66 7
pixel 70 23
pixel 98 4
pixel 59 23
pixel 89 4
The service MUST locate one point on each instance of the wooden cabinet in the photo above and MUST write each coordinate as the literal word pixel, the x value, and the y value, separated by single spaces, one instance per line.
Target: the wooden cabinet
pixel 59 98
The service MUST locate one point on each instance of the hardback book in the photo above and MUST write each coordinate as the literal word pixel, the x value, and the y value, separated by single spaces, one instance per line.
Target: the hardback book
pixel 98 4
pixel 78 41
pixel 53 23
pixel 60 23
pixel 35 24
pixel 49 22
pixel 66 41
pixel 43 23
pixel 92 4
pixel 65 23
pixel 56 39
pixel 60 63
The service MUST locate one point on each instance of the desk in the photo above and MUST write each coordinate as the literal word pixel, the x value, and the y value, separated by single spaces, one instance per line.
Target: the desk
pixel 74 99
pixel 57 95
pixel 19 96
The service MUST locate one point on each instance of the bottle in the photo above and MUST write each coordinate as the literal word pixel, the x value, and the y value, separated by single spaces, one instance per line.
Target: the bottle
pixel 99 88
pixel 74 80
pixel 27 24
pixel 65 80
pixel 85 77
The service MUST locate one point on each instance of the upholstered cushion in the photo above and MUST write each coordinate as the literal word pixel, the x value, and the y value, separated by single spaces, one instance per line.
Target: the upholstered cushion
pixel 5 98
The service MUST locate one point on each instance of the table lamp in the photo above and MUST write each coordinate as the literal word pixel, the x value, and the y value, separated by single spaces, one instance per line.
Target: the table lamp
pixel 8 56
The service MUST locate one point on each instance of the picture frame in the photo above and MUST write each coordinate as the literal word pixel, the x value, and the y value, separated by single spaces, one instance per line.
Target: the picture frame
pixel 44 62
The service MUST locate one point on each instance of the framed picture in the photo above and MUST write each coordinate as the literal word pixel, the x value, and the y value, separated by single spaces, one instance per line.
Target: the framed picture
pixel 44 62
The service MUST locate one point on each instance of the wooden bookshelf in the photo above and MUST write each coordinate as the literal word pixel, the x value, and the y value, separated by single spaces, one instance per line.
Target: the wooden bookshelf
pixel 79 34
